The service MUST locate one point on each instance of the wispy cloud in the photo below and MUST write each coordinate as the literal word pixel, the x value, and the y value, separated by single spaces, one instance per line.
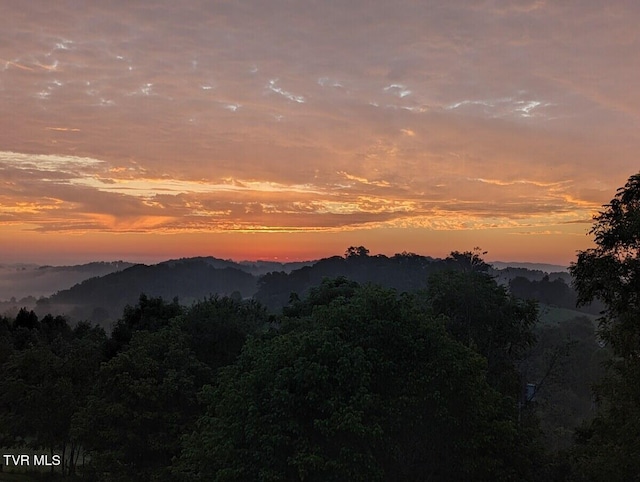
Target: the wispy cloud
pixel 273 87
pixel 95 195
pixel 309 117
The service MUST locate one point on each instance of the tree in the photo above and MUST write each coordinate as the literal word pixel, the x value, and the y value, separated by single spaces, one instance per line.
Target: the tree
pixel 44 384
pixel 53 327
pixel 610 272
pixel 142 402
pixel 362 387
pixel 356 252
pixel 32 395
pixel 144 398
pixel 469 260
pixel 565 364
pixel 219 326
pixel 26 319
pixel 6 340
pixel 148 314
pixel 329 289
pixel 483 316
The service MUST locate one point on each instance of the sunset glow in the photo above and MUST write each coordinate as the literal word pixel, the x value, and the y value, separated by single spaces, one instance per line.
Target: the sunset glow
pixel 246 130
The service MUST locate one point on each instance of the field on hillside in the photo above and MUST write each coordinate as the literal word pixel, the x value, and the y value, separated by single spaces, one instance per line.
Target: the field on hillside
pixel 551 315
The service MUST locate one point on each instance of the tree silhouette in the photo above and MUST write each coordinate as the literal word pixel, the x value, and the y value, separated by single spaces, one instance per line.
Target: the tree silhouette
pixel 610 272
pixel 353 252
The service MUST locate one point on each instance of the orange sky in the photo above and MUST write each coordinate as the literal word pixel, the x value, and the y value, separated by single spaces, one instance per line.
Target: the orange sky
pixel 295 129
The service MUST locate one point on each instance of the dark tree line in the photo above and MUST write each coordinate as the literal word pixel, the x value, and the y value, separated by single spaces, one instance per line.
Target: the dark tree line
pixel 122 401
pixel 47 372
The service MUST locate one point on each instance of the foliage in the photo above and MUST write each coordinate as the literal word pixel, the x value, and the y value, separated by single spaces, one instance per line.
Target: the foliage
pixel 564 364
pixel 351 382
pixel 610 272
pixel 145 397
pixel 353 252
pixel 483 316
pixel 141 403
pixel 150 314
pixel 469 260
pixel 44 382
pixel 404 272
pixel 329 290
pixel 218 327
pixel 366 387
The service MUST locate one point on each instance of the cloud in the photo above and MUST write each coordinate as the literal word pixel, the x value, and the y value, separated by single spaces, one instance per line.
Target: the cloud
pixel 58 193
pixel 272 86
pixel 314 116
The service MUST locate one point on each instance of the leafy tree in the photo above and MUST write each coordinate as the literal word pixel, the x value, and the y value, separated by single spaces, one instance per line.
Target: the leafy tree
pixel 37 399
pixel 365 387
pixel 53 327
pixel 356 252
pixel 218 327
pixel 148 314
pixel 82 365
pixel 329 290
pixel 24 329
pixel 274 287
pixel 483 316
pixel 45 383
pixel 6 340
pixel 26 319
pixel 143 400
pixel 610 272
pixel 28 395
pixel 469 260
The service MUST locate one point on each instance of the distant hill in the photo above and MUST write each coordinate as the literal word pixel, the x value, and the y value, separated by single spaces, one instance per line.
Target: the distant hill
pixel 552 292
pixel 410 272
pixel 103 298
pixel 259 268
pixel 22 280
pixel 256 268
pixel 545 268
pixel 404 272
pixel 507 274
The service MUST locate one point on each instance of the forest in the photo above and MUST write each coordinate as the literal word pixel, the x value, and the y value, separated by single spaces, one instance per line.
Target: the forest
pixel 437 372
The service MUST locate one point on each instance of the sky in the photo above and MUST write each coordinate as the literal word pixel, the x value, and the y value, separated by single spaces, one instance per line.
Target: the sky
pixel 294 129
